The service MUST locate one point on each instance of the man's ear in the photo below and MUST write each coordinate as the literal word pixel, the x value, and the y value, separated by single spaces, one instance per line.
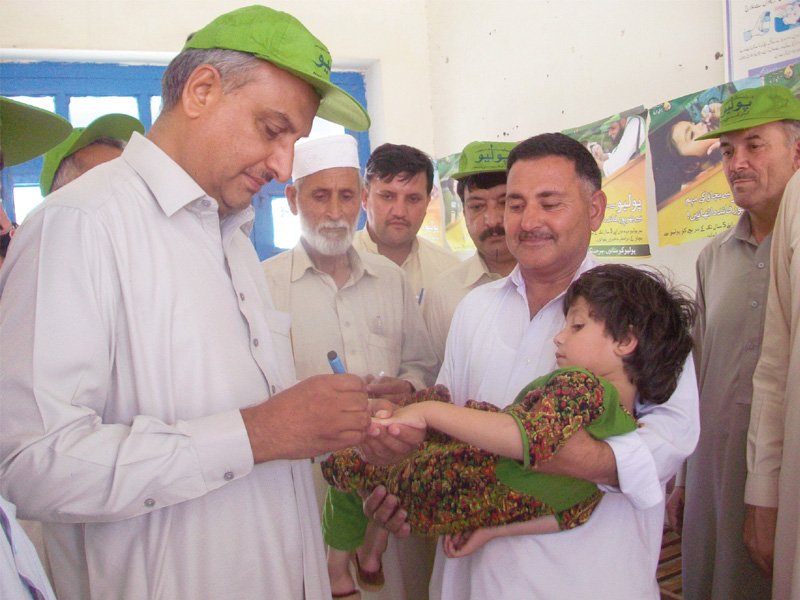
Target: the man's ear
pixel 202 89
pixel 291 198
pixel 627 346
pixel 597 209
pixel 364 196
pixel 796 155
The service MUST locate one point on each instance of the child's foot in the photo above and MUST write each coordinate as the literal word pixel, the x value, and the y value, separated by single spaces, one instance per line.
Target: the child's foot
pixel 367 558
pixel 343 586
pixel 342 583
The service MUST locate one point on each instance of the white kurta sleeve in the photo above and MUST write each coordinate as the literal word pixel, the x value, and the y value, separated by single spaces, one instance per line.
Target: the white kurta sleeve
pixel 767 413
pixel 64 455
pixel 667 435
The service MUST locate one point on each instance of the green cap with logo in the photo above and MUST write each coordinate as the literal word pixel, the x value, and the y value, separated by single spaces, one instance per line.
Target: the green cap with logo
pixel 754 107
pixel 483 157
pixel 27 131
pixel 280 39
pixel 115 126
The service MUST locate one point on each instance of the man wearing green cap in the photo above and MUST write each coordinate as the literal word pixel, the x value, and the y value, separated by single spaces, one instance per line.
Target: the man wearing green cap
pixel 773 452
pixel 85 148
pixel 759 138
pixel 481 186
pixel 151 415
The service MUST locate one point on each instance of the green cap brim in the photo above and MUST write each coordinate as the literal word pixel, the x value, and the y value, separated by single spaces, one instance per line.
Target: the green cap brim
pixel 335 104
pixel 27 131
pixel 483 157
pixel 116 126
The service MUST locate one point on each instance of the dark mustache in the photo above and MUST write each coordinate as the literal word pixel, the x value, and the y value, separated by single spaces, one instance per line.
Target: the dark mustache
pixel 496 230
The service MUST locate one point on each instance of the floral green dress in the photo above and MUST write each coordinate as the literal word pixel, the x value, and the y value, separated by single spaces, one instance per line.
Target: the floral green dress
pixel 448 486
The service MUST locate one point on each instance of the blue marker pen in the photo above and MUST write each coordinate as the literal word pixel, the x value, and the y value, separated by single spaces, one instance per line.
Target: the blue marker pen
pixel 336 362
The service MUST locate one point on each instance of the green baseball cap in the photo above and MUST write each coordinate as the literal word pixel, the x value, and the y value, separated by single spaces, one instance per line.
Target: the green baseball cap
pixel 116 126
pixel 27 131
pixel 483 157
pixel 278 38
pixel 756 106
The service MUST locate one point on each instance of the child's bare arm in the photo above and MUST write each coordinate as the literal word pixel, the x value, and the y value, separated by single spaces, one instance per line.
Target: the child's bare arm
pixel 494 432
pixel 463 544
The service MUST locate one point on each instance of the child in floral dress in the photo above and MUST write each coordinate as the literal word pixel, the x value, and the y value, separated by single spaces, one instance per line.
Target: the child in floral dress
pixel 626 335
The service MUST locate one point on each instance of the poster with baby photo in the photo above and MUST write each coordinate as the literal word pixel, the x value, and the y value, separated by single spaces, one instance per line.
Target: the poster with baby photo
pixel 693 199
pixel 618 145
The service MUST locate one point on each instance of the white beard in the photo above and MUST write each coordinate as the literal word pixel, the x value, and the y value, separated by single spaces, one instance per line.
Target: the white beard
pixel 328 244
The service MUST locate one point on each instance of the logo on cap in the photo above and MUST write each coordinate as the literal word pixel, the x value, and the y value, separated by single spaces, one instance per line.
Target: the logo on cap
pixel 324 60
pixel 736 107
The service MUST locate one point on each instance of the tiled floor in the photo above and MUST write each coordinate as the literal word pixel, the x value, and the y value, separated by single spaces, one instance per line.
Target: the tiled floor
pixel 669 567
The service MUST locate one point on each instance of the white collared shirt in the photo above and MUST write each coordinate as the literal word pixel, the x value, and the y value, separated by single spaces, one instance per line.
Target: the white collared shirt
pixel 494 349
pixel 423 265
pixel 372 321
pixel 135 325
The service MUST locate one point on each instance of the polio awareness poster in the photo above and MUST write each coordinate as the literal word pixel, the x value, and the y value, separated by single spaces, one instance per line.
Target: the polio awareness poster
pixel 618 145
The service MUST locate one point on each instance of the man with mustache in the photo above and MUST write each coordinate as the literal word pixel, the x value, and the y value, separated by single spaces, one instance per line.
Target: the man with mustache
pixel 151 417
pixel 502 335
pixel 481 186
pixel 759 138
pixel 358 305
pixel 397 191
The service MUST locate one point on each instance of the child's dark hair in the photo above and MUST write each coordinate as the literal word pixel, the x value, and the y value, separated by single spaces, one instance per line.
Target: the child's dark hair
pixel 642 303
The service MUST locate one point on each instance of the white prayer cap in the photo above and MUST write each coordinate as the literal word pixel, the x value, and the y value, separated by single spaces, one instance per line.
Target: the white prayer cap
pixel 328 152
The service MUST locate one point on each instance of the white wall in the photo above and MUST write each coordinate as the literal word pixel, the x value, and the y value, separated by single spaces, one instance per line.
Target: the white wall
pixel 386 39
pixel 443 72
pixel 509 70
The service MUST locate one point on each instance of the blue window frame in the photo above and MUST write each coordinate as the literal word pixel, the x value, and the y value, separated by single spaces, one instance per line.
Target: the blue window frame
pixel 64 81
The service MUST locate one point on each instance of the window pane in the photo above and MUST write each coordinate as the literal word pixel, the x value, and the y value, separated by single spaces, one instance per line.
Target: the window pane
pixel 285 225
pixel 45 102
pixel 85 109
pixel 155 107
pixel 26 198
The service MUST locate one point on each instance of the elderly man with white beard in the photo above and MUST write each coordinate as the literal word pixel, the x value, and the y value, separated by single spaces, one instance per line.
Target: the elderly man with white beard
pixel 358 305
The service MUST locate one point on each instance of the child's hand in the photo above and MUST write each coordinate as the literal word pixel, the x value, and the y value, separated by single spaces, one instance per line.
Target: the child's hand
pixel 458 545
pixel 412 415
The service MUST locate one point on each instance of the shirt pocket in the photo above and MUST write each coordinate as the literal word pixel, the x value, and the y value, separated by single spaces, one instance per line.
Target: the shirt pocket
pixel 383 355
pixel 279 324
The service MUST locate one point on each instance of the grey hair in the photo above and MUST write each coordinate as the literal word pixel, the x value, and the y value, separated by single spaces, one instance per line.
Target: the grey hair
pixel 792 129
pixel 69 169
pixel 234 68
